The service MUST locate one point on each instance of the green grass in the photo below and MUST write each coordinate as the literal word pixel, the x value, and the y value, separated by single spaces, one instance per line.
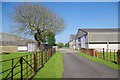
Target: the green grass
pixel 109 56
pixel 8 64
pixel 52 64
pixel 101 61
pixel 14 55
pixel 52 69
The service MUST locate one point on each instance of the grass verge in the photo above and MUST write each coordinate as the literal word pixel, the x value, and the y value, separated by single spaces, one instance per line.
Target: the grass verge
pixel 101 61
pixel 52 69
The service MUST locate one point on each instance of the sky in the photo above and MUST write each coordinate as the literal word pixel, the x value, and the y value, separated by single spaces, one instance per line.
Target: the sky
pixel 75 14
pixel 60 0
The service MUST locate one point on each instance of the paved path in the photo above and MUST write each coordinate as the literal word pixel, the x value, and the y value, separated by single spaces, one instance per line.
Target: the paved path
pixel 78 67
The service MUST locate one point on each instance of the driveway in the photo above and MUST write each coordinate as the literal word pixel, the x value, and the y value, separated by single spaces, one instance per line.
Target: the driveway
pixel 76 66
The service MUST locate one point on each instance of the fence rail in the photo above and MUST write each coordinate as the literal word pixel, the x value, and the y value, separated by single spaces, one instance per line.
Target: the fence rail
pixel 106 54
pixel 25 66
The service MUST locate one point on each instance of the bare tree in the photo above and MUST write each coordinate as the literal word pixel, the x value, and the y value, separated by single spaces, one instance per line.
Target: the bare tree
pixel 37 21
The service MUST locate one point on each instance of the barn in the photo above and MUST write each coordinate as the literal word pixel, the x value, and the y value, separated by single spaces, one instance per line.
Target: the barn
pixel 13 43
pixel 97 38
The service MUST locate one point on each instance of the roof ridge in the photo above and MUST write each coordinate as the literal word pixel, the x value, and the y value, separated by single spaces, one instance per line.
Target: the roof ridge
pixel 98 28
pixel 19 37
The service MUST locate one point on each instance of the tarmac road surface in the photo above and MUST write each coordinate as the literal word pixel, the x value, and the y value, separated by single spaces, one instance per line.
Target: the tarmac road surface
pixel 76 66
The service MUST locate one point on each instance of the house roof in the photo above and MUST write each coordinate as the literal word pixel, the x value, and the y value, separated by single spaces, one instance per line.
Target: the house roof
pixel 72 37
pixel 11 37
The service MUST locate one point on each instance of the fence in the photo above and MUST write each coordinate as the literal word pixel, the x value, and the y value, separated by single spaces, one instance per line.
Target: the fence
pixel 106 54
pixel 25 66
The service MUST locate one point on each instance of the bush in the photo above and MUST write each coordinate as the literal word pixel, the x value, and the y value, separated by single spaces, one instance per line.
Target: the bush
pixel 60 45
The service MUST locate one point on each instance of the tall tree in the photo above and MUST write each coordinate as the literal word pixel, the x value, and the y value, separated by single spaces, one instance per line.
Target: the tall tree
pixel 37 21
pixel 67 44
pixel 51 39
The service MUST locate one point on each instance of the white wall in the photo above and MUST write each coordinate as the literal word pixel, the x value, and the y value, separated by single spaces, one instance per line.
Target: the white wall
pixel 56 47
pixel 113 46
pixel 83 42
pixel 110 46
pixel 72 44
pixel 77 44
pixel 95 46
pixel 31 47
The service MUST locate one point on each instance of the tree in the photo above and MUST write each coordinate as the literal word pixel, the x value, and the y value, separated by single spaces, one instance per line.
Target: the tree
pixel 36 21
pixel 60 45
pixel 67 44
pixel 51 39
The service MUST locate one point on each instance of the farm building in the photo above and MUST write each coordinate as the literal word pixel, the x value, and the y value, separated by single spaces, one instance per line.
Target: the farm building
pixel 13 43
pixel 97 38
pixel 72 41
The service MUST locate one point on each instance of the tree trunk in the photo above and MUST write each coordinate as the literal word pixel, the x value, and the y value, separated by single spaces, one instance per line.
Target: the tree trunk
pixel 40 46
pixel 35 58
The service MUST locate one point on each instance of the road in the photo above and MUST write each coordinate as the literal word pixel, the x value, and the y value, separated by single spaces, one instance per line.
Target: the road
pixel 76 66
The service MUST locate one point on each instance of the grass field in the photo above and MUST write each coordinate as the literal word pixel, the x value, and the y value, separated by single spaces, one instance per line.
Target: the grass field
pixel 52 69
pixel 99 60
pixel 8 64
pixel 14 55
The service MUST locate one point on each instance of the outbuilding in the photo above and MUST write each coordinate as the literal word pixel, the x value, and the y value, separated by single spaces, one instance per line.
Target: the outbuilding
pixel 97 38
pixel 72 42
pixel 13 43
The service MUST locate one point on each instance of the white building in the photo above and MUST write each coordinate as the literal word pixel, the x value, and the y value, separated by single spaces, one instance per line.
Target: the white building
pixel 72 43
pixel 97 38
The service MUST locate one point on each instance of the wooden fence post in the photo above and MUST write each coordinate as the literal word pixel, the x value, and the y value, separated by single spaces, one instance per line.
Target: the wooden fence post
pixel 51 52
pixel 118 61
pixel 31 63
pixel 107 54
pixel 39 58
pixel 21 69
pixel 26 67
pixel 42 58
pixel 48 53
pixel 100 53
pixel 118 56
pixel 35 62
pixel 114 55
pixel 45 55
pixel 94 53
pixel 110 54
pixel 103 53
pixel 12 69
